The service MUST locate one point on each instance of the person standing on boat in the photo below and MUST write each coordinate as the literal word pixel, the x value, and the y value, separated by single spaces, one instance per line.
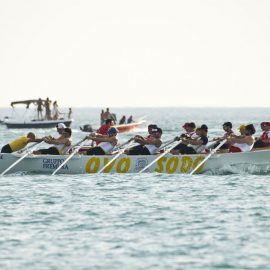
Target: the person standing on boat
pixel 55 113
pixel 147 146
pixel 70 113
pixel 106 143
pixel 102 117
pixel 39 109
pixel 122 120
pixel 48 109
pixel 243 144
pixel 20 143
pixel 107 114
pixel 264 139
pixel 60 146
pixel 195 145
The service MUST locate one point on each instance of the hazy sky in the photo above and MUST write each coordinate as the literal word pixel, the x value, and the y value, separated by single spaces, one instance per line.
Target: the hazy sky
pixel 136 53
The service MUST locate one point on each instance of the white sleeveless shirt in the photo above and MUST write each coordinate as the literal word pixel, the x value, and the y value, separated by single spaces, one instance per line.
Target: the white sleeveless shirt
pixel 107 147
pixel 151 148
pixel 62 148
pixel 244 146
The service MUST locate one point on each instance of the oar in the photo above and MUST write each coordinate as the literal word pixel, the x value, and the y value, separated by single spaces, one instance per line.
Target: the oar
pixel 160 156
pixel 21 158
pixel 80 144
pixel 115 157
pixel 208 156
pixel 27 148
pixel 121 145
pixel 165 144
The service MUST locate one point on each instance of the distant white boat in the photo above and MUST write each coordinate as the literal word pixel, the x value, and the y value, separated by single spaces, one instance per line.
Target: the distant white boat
pixel 33 123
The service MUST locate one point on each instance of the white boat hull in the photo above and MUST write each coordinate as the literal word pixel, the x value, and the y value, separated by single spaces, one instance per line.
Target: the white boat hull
pixel 254 162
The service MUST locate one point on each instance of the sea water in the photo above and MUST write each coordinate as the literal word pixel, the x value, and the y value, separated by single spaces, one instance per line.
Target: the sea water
pixel 147 221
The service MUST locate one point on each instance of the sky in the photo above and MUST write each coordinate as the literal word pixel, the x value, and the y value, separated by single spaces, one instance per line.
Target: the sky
pixel 136 53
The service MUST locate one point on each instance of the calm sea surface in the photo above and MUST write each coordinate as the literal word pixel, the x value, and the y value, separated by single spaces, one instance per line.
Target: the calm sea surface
pixel 148 221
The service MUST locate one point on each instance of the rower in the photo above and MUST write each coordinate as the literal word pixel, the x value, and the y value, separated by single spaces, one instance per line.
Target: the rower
pixel 195 145
pixel 227 127
pixel 20 143
pixel 148 145
pixel 264 139
pixel 106 142
pixel 243 144
pixel 103 130
pixel 190 133
pixel 60 146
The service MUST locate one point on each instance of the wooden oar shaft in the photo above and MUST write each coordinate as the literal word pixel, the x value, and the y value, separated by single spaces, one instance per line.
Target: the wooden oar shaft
pixel 115 157
pixel 80 144
pixel 159 157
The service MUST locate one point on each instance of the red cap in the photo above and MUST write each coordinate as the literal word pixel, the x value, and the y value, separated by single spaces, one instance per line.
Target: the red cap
pixel 266 124
pixel 185 125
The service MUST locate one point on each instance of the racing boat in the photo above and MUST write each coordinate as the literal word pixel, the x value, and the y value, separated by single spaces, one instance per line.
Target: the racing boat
pixel 253 162
pixel 35 122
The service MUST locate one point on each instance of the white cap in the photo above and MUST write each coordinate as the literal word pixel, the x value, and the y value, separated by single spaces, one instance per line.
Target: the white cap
pixel 61 125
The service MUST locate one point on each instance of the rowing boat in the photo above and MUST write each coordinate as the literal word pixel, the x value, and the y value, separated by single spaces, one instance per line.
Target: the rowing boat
pixel 254 162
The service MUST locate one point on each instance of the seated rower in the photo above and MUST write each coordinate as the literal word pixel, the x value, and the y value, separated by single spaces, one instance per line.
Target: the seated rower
pixel 150 129
pixel 103 130
pixel 190 129
pixel 197 145
pixel 60 145
pixel 243 144
pixel 227 127
pixel 190 133
pixel 20 143
pixel 147 146
pixel 264 139
pixel 106 143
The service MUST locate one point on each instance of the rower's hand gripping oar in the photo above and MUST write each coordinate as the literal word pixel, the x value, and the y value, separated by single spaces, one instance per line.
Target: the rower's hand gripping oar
pixel 79 145
pixel 165 144
pixel 22 157
pixel 208 156
pixel 160 156
pixel 116 156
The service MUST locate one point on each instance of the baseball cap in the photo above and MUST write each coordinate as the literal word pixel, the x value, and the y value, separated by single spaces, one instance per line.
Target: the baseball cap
pixel 185 125
pixel 112 130
pixel 266 124
pixel 61 125
pixel 241 127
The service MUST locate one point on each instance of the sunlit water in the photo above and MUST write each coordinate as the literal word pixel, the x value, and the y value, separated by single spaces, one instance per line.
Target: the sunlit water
pixel 149 221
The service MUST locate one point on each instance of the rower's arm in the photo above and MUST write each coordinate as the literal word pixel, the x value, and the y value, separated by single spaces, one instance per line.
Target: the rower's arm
pixel 60 141
pixel 194 141
pixel 247 140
